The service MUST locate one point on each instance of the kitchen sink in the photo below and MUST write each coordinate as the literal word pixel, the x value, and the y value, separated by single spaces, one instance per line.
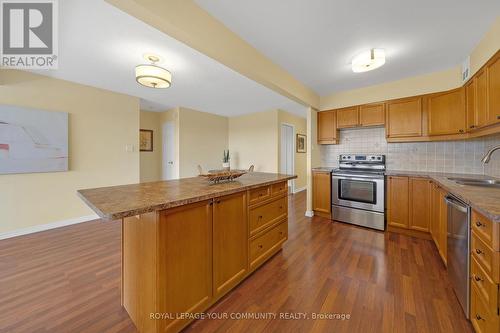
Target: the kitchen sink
pixel 477 182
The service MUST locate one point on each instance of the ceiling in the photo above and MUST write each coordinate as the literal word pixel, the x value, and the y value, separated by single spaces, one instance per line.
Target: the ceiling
pixel 316 40
pixel 100 46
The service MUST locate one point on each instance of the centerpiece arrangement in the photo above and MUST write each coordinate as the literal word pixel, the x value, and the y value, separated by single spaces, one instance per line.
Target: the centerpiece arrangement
pixel 225 174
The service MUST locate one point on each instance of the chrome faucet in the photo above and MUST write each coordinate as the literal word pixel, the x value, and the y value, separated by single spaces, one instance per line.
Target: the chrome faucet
pixel 487 157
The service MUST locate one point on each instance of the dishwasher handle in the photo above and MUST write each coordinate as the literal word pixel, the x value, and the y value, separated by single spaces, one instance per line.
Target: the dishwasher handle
pixel 452 201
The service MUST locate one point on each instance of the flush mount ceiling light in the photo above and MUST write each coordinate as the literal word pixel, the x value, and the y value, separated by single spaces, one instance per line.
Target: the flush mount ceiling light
pixel 368 60
pixel 152 75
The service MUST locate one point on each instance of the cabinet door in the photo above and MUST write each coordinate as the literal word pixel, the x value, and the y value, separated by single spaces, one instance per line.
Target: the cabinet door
pixel 230 241
pixel 404 118
pixel 434 219
pixel 493 88
pixel 322 192
pixel 443 225
pixel 397 197
pixel 470 103
pixel 185 256
pixel 481 99
pixel 372 114
pixel 419 204
pixel 347 117
pixel 327 131
pixel 446 112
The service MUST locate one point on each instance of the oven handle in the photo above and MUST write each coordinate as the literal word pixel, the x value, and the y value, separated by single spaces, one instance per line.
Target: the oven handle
pixel 358 178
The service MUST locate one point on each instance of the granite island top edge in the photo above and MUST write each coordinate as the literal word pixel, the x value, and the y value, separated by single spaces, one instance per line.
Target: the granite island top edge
pixel 117 202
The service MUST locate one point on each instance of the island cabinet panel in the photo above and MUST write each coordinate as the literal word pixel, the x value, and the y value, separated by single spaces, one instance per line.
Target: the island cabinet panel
pixel 259 194
pixel 230 236
pixel 446 112
pixel 419 204
pixel 265 245
pixel 327 127
pixel 265 215
pixel 372 114
pixel 397 201
pixel 404 117
pixel 493 87
pixel 348 117
pixel 184 262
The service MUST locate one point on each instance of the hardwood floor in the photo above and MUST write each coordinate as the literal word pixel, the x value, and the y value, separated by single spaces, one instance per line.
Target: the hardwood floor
pixel 68 280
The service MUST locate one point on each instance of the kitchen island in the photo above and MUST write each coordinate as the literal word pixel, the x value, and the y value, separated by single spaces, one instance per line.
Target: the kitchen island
pixel 186 242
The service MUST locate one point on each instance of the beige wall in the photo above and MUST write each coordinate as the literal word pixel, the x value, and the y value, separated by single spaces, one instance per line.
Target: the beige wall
pixel 253 139
pixel 150 165
pixel 202 140
pixel 423 84
pixel 300 126
pixel 101 123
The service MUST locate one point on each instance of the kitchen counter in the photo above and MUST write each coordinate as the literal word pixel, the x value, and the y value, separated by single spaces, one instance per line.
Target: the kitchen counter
pixel 485 200
pixel 122 201
pixel 322 169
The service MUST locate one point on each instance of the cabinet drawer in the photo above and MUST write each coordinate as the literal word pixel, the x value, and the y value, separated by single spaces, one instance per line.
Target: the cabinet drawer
pixel 485 229
pixel 266 215
pixel 267 244
pixel 259 194
pixel 482 319
pixel 279 188
pixel 485 256
pixel 487 289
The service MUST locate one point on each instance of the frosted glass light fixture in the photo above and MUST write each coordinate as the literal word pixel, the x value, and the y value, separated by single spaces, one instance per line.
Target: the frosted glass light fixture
pixel 151 75
pixel 368 60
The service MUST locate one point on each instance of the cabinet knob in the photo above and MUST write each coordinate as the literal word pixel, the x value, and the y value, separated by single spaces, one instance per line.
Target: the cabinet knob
pixel 479 224
pixel 472 126
pixel 260 217
pixel 260 246
pixel 461 130
pixel 478 251
pixel 477 278
pixel 498 117
pixel 478 317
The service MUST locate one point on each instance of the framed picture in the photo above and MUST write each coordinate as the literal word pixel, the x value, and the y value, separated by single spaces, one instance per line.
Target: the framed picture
pixel 301 143
pixel 146 140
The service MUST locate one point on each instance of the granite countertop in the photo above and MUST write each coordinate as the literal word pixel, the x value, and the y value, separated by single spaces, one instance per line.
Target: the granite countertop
pixel 486 200
pixel 117 202
pixel 323 169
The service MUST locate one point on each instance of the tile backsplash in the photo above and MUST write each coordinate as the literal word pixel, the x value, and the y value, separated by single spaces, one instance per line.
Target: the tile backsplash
pixel 451 156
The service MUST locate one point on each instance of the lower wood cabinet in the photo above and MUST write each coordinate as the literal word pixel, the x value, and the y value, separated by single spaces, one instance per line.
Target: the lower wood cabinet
pixel 230 257
pixel 322 203
pixel 397 201
pixel 419 204
pixel 484 272
pixel 266 244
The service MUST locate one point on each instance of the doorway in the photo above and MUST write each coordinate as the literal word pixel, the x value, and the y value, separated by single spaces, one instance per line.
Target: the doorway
pixel 168 160
pixel 287 153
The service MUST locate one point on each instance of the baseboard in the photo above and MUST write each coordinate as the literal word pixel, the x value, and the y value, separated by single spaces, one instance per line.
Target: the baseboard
pixel 48 226
pixel 297 190
pixel 309 213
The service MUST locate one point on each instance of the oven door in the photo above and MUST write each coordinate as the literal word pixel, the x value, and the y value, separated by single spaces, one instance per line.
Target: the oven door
pixel 363 192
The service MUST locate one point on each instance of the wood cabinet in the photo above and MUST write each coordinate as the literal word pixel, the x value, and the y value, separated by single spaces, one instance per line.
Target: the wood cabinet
pixel 347 117
pixel 185 252
pixel 434 212
pixel 481 110
pixel 442 225
pixel 397 201
pixel 322 203
pixel 327 127
pixel 484 271
pixel 470 103
pixel 404 117
pixel 265 245
pixel 493 89
pixel 230 234
pixel 446 112
pixel 372 114
pixel 419 203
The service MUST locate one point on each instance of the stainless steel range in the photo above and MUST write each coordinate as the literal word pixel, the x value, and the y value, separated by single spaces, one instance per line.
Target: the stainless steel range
pixel 358 190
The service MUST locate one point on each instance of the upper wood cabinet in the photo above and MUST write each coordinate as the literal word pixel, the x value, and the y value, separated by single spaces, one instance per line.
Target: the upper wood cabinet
pixel 322 193
pixel 480 111
pixel 230 236
pixel 446 112
pixel 493 89
pixel 397 201
pixel 348 117
pixel 372 114
pixel 419 203
pixel 470 104
pixel 404 117
pixel 327 127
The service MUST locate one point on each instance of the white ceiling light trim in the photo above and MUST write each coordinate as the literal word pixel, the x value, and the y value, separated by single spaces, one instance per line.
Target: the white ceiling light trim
pixel 152 75
pixel 368 60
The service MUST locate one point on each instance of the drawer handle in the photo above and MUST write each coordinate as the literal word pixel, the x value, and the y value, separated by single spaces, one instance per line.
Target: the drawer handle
pixel 261 194
pixel 281 232
pixel 281 207
pixel 478 317
pixel 478 251
pixel 498 117
pixel 260 217
pixel 479 224
pixel 260 246
pixel 461 130
pixel 477 278
pixel 472 126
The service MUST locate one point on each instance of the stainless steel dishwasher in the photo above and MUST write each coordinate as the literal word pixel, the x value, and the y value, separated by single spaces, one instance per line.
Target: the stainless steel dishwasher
pixel 458 249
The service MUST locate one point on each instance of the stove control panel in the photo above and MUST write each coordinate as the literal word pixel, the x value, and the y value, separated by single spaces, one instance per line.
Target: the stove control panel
pixel 361 158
